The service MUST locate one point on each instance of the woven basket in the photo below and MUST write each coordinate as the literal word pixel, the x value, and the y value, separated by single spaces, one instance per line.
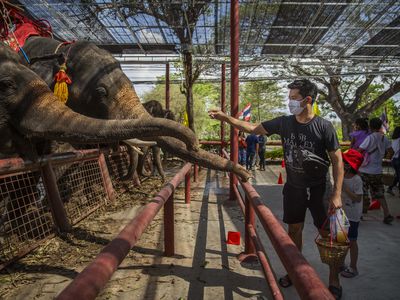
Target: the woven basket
pixel 332 254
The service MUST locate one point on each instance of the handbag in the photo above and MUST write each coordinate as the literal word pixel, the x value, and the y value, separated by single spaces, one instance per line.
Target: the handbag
pixel 313 165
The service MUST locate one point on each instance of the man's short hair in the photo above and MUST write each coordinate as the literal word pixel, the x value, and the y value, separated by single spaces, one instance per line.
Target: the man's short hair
pixel 305 87
pixel 375 124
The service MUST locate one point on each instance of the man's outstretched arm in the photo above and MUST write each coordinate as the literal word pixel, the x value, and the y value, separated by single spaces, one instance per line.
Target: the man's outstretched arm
pixel 240 125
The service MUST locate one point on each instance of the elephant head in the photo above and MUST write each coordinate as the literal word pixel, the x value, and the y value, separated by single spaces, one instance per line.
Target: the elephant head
pixel 100 89
pixel 29 111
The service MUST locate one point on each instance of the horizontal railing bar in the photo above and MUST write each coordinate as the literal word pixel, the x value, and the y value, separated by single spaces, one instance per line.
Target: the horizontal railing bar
pixel 268 273
pixel 305 279
pixel 9 165
pixel 94 277
pixel 268 143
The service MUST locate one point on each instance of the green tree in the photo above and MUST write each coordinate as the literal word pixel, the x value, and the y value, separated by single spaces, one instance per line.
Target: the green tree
pixel 350 97
pixel 266 98
pixel 205 95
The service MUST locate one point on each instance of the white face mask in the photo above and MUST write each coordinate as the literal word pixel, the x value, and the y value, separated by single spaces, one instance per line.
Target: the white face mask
pixel 295 107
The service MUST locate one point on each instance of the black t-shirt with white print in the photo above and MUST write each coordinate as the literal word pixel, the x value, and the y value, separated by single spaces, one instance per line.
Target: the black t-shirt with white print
pixel 317 136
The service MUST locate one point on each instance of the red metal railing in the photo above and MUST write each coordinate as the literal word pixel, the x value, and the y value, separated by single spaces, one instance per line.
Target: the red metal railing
pixel 304 277
pixel 94 277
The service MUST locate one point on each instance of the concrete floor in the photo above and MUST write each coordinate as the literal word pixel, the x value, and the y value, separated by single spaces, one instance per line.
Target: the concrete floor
pixel 379 246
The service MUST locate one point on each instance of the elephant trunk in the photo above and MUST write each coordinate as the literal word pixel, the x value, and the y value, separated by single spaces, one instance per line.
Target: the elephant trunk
pixel 202 158
pixel 50 119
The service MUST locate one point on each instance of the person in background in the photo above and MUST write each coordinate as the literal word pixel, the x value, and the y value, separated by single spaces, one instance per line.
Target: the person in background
pixel 303 130
pixel 374 149
pixel 251 142
pixel 361 131
pixel 352 192
pixel 261 151
pixel 242 148
pixel 395 160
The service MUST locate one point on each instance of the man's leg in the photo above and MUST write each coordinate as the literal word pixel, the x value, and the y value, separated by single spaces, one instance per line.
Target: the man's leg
pixel 378 193
pixel 294 211
pixel 366 197
pixel 248 164
pixel 333 270
pixel 319 196
pixel 295 232
pixel 252 154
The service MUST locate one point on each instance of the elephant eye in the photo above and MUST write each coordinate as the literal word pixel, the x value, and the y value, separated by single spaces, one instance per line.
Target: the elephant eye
pixel 101 91
pixel 7 84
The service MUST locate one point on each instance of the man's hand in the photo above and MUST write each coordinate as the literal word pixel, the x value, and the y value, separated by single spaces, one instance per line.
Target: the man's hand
pixel 335 202
pixel 217 114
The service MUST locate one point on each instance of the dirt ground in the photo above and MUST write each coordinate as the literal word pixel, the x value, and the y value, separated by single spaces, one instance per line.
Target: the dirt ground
pixel 204 266
pixel 60 259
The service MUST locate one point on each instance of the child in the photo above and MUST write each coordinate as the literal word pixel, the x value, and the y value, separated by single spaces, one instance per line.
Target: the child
pixel 361 131
pixel 352 193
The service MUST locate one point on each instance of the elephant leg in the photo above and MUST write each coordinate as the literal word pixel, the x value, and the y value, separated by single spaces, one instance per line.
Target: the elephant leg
pixel 133 163
pixel 157 160
pixel 136 179
pixel 142 161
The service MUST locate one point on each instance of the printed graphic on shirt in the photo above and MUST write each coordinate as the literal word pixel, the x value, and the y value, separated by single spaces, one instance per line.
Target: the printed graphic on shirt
pixel 293 155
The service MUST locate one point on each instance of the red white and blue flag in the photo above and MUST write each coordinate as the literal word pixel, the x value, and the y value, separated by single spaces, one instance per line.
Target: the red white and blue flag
pixel 245 114
pixel 385 121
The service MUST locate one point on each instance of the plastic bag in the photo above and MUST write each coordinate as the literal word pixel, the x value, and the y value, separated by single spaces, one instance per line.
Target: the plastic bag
pixel 339 226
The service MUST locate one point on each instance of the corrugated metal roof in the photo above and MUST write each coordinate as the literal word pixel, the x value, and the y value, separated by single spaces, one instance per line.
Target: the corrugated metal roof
pixel 362 31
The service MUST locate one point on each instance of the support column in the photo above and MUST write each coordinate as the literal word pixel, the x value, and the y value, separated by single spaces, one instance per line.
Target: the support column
pixel 167 97
pixel 223 98
pixel 169 231
pixel 234 89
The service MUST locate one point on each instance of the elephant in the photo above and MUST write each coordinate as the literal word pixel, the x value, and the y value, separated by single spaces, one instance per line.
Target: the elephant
pixel 100 89
pixel 30 112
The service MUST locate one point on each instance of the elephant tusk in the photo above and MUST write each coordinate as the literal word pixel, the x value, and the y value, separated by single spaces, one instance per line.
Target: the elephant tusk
pixel 137 149
pixel 140 143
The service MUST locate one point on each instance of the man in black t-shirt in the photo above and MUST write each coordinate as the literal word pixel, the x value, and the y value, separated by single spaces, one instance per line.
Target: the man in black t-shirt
pixel 303 130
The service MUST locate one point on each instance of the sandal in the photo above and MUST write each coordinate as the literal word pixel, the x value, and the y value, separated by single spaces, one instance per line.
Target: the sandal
pixel 349 273
pixel 336 291
pixel 285 281
pixel 388 220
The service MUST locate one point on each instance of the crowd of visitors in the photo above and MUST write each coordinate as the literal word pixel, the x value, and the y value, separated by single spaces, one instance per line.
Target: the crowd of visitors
pixel 252 151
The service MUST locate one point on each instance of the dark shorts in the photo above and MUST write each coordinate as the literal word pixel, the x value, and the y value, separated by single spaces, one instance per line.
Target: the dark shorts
pixel 353 231
pixel 297 200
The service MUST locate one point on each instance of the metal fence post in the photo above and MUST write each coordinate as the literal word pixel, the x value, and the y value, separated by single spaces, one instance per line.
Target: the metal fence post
pixel 169 234
pixel 106 178
pixel 55 202
pixel 195 172
pixel 249 220
pixel 187 188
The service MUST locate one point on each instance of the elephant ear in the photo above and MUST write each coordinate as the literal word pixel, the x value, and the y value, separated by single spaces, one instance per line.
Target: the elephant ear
pixel 47 66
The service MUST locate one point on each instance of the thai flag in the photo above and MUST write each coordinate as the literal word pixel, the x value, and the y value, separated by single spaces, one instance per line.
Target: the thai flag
pixel 245 114
pixel 385 121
